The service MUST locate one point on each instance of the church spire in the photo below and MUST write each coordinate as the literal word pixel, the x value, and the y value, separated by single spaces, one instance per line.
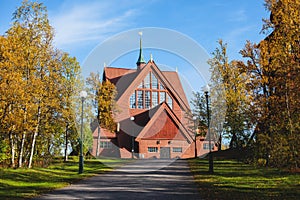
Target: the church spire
pixel 140 62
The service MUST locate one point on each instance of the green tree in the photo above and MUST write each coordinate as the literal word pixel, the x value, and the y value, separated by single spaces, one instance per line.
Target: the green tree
pixel 199 113
pixel 69 88
pixel 229 94
pixel 36 36
pixel 38 83
pixel 104 95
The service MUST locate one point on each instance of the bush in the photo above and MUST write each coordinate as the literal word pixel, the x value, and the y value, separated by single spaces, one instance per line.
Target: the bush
pixel 3 150
pixel 261 162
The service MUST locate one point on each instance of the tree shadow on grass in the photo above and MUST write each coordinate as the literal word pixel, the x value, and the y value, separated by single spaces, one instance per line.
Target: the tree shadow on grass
pixel 234 180
pixel 25 183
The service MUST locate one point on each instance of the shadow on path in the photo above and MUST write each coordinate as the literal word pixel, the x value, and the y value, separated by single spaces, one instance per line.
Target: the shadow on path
pixel 142 179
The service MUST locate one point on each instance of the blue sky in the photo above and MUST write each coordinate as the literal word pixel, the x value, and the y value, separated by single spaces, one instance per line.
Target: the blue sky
pixel 82 25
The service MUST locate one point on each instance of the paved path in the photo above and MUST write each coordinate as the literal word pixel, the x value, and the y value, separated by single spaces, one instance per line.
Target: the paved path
pixel 142 179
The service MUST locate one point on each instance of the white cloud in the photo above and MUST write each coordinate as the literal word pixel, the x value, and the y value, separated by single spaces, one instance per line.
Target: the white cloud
pixel 88 22
pixel 238 32
pixel 236 39
pixel 238 16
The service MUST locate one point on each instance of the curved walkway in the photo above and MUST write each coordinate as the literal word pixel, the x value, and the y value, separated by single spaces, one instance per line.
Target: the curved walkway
pixel 142 179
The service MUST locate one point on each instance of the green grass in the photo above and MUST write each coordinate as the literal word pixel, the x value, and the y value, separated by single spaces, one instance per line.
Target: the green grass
pixel 236 180
pixel 27 183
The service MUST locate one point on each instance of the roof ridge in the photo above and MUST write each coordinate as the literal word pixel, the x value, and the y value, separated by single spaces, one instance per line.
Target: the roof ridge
pixel 119 68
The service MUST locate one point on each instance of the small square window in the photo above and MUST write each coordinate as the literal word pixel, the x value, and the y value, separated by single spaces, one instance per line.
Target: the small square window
pixel 177 149
pixel 152 149
pixel 105 144
pixel 206 146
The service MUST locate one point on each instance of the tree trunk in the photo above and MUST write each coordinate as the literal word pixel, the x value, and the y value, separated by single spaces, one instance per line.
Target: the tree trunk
pixel 251 139
pixel 23 139
pixel 66 143
pixel 233 142
pixel 22 149
pixel 12 146
pixel 220 142
pixel 34 137
pixel 98 142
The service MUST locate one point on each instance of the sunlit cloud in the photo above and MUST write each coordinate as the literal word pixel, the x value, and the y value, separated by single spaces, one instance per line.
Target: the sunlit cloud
pixel 237 16
pixel 236 37
pixel 88 22
pixel 236 33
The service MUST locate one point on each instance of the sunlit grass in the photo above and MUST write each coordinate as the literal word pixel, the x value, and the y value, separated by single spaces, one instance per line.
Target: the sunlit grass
pixel 26 183
pixel 236 180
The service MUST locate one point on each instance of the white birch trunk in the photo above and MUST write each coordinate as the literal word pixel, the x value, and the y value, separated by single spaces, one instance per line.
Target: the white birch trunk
pixel 34 138
pixel 12 146
pixel 22 149
pixel 66 144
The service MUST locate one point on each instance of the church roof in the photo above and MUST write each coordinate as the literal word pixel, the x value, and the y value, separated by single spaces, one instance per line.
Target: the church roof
pixel 156 113
pixel 174 79
pixel 113 74
pixel 129 79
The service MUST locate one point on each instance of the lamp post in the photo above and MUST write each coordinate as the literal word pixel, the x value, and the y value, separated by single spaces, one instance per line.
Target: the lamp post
pixel 211 161
pixel 132 139
pixel 195 134
pixel 83 95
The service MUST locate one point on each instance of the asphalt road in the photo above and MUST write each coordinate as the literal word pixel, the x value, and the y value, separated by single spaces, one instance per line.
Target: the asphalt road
pixel 142 179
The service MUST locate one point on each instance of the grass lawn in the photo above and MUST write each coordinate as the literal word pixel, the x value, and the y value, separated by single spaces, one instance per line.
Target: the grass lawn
pixel 236 180
pixel 26 183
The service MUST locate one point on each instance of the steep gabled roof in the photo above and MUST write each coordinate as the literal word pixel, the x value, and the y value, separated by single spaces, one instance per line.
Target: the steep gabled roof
pixel 127 84
pixel 174 79
pixel 158 111
pixel 104 133
pixel 120 77
pixel 113 74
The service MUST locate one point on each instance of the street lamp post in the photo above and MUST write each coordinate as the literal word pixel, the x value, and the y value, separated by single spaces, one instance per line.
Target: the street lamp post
pixel 132 140
pixel 83 95
pixel 195 135
pixel 211 161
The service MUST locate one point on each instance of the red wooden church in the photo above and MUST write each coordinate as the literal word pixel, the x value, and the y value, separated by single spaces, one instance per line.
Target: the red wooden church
pixel 152 120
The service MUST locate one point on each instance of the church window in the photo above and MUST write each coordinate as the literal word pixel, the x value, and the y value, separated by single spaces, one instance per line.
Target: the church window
pixel 152 149
pixel 147 99
pixel 132 100
pixel 154 81
pixel 154 99
pixel 177 149
pixel 149 94
pixel 169 101
pixel 147 81
pixel 140 99
pixel 206 146
pixel 141 85
pixel 161 86
pixel 105 144
pixel 162 97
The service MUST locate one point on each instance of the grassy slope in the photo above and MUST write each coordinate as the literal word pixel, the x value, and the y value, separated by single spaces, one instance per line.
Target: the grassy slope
pixel 234 180
pixel 26 183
